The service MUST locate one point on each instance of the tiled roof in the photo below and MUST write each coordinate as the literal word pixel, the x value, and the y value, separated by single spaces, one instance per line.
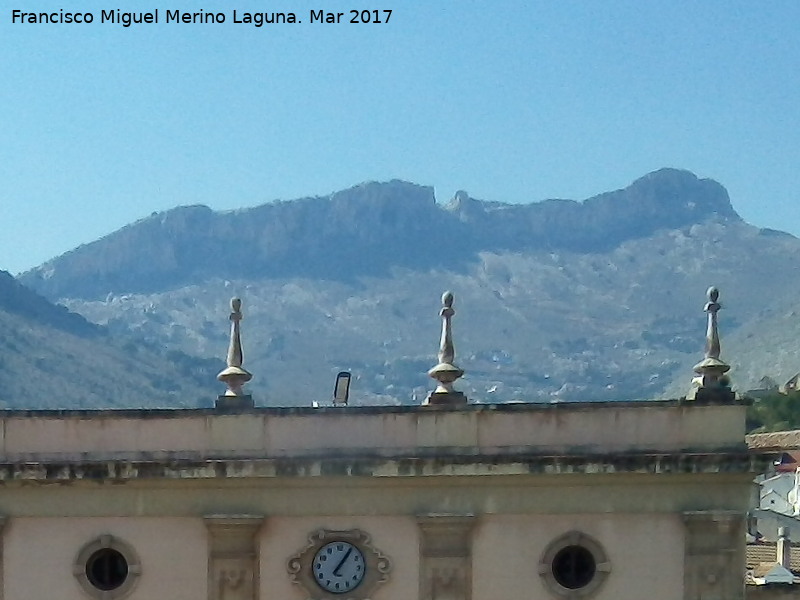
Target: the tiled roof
pixel 788 462
pixel 763 569
pixel 777 440
pixel 758 576
pixel 759 553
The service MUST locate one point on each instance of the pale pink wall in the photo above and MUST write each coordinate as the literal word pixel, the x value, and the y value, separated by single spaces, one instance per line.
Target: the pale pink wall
pixel 396 537
pixel 39 554
pixel 646 552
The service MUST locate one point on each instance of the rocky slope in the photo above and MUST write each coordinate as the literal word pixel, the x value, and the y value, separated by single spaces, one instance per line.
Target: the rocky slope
pixel 555 300
pixel 52 358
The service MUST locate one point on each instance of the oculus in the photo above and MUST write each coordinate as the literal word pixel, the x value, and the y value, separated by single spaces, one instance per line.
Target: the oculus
pixel 574 565
pixel 107 568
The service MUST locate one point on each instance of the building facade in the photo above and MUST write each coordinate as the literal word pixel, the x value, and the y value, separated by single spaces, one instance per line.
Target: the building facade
pixel 479 502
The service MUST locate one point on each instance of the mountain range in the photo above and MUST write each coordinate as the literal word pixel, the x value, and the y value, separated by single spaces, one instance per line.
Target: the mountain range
pixel 555 300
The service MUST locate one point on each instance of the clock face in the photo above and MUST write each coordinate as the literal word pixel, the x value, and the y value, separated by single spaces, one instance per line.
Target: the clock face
pixel 338 567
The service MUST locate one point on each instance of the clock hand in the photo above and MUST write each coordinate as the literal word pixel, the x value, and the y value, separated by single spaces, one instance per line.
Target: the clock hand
pixel 341 562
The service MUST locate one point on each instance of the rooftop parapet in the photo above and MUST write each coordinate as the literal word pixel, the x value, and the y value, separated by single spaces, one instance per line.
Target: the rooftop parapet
pixel 567 429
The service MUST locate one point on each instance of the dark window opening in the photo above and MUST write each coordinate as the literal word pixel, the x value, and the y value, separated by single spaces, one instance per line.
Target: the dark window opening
pixel 107 569
pixel 574 567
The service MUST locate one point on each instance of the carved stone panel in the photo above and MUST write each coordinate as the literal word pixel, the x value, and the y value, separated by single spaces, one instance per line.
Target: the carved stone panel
pixel 446 557
pixel 714 560
pixel 232 580
pixel 233 557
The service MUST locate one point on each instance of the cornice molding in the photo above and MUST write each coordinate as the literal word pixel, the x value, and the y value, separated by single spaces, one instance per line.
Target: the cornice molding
pixel 444 465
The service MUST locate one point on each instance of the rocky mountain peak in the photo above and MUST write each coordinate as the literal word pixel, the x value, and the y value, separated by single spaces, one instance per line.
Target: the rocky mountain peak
pixel 680 192
pixel 367 230
pixel 465 207
pixel 396 190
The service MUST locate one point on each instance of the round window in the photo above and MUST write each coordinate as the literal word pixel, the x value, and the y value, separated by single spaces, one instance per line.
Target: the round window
pixel 574 565
pixel 107 569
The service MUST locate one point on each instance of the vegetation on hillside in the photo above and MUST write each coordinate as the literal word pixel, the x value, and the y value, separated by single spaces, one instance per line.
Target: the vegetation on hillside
pixel 774 411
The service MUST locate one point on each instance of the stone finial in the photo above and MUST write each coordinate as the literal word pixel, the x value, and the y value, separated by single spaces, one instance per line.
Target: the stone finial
pixel 446 372
pixel 711 383
pixel 234 376
pixel 712 331
pixel 447 352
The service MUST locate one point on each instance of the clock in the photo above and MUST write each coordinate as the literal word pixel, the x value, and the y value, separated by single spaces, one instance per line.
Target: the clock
pixel 338 567
pixel 339 564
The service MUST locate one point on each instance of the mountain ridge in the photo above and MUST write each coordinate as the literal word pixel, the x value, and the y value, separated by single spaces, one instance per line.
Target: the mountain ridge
pixel 325 237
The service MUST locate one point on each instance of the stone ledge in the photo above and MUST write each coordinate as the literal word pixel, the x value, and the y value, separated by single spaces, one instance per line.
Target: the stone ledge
pixel 118 471
pixel 152 413
pixel 460 453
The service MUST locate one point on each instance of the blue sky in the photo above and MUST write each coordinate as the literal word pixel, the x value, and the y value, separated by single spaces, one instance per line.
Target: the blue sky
pixel 510 100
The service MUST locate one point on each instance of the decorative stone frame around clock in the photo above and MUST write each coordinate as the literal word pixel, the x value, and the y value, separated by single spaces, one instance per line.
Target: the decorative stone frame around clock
pixel 376 565
pixel 586 542
pixel 107 542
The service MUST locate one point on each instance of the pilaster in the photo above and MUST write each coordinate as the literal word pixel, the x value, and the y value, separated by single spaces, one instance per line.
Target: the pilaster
pixel 446 557
pixel 2 559
pixel 233 556
pixel 714 560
